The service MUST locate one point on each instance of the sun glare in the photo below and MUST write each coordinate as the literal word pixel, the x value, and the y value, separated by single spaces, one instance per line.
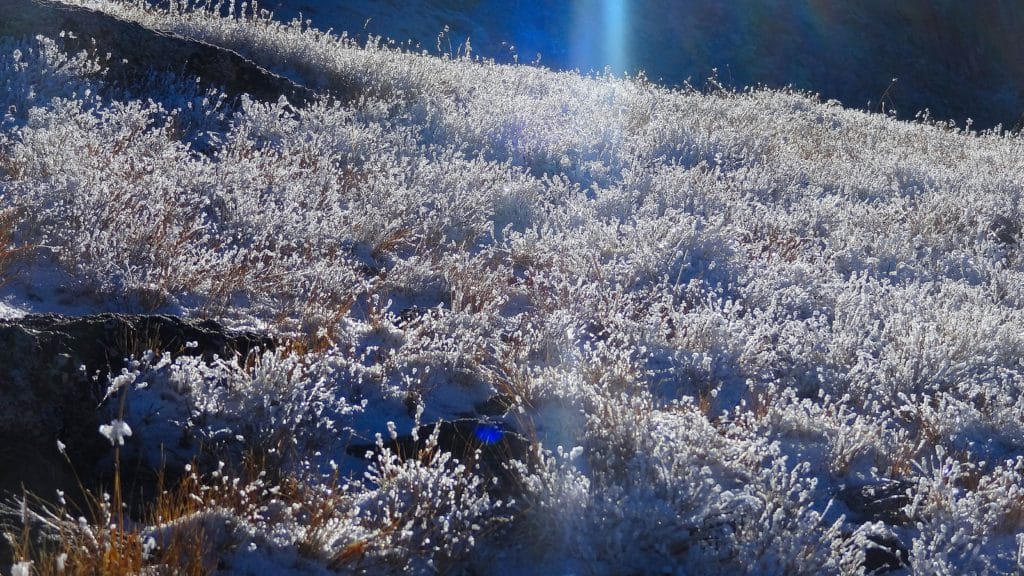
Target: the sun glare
pixel 599 36
pixel 613 16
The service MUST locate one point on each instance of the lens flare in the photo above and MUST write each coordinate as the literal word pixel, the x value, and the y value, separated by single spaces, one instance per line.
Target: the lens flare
pixel 488 433
pixel 613 16
pixel 599 37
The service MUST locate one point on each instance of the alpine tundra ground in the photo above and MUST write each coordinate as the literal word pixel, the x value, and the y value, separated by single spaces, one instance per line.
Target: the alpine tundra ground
pixel 732 332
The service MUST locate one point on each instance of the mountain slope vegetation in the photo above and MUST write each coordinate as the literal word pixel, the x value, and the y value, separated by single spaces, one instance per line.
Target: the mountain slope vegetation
pixel 742 332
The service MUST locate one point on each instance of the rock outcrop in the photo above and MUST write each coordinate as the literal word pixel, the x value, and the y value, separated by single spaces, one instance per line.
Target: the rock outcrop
pixel 53 375
pixel 136 51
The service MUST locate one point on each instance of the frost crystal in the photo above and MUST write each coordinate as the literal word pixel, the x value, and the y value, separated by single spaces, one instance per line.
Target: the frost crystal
pixel 706 315
pixel 116 431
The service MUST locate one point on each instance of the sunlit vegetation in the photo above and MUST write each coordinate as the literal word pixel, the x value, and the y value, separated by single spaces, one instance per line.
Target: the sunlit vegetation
pixel 714 315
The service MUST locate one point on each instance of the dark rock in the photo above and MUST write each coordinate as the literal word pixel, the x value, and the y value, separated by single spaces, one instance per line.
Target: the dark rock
pixel 411 315
pixel 497 405
pixel 462 438
pixel 883 502
pixel 47 395
pixel 137 51
pixel 1004 230
pixel 884 554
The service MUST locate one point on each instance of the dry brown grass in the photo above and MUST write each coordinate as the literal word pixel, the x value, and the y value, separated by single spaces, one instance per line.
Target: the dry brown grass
pixel 101 540
pixel 10 252
pixel 321 505
pixel 392 240
pixel 103 544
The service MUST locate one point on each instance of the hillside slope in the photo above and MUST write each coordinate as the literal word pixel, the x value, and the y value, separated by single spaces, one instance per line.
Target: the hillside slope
pixel 957 59
pixel 738 332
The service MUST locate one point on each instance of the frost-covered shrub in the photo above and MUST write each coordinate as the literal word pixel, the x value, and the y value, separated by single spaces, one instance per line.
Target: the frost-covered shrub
pixel 421 511
pixel 35 71
pixel 270 403
pixel 726 308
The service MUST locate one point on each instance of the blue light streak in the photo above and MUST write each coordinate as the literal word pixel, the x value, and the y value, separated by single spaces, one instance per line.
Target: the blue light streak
pixel 613 18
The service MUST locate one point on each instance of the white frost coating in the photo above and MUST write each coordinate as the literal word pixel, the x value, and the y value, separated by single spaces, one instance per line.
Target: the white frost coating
pixel 9 313
pixel 733 305
pixel 116 431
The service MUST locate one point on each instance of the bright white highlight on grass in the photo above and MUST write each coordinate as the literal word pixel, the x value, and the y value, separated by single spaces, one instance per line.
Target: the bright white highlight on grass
pixel 116 431
pixel 733 307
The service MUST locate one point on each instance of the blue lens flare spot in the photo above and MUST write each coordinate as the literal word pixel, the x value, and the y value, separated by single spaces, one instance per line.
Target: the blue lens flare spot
pixel 487 433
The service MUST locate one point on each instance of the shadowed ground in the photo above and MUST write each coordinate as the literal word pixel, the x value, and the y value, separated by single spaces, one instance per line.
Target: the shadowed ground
pixel 136 51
